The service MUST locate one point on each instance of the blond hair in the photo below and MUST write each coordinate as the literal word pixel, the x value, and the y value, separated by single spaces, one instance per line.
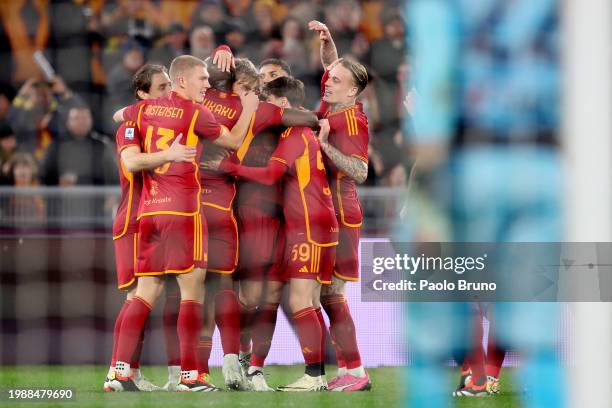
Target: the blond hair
pixel 182 64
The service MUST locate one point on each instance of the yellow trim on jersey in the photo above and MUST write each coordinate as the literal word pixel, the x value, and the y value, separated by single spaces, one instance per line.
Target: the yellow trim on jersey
pixel 237 238
pixel 278 159
pixel 351 122
pixel 192 138
pixel 189 269
pixel 138 119
pixel 322 282
pixel 134 249
pixel 130 178
pixel 126 285
pixel 218 207
pixel 286 133
pixel 302 168
pixel 222 272
pixel 168 213
pixel 246 143
pixel 345 278
pixel 341 209
pixel 330 113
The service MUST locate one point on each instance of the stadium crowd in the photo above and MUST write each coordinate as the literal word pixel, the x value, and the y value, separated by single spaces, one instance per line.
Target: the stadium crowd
pixel 96 46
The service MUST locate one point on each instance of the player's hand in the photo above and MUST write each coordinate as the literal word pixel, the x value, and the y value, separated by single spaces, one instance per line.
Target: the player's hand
pixel 323 131
pixel 179 152
pixel 224 60
pixel 212 165
pixel 324 34
pixel 249 101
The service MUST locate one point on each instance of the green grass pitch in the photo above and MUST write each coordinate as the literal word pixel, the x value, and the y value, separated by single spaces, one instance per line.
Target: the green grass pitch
pixel 387 391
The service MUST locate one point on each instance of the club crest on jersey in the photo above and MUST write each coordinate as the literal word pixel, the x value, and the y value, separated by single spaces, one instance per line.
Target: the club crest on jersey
pixel 129 133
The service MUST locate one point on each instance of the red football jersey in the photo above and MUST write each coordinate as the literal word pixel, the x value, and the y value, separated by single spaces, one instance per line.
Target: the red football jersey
pixel 173 188
pixel 307 201
pixel 348 134
pixel 219 189
pixel 131 183
pixel 255 151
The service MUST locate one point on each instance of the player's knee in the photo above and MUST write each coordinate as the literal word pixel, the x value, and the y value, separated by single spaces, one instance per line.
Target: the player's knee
pixel 274 293
pixel 149 288
pixel 299 301
pixel 251 293
pixel 337 287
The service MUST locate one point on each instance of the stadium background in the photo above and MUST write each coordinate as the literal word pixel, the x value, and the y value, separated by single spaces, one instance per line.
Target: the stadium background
pixel 57 274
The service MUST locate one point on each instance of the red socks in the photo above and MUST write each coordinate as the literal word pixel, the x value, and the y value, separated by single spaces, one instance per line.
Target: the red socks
pixel 204 349
pixel 131 327
pixel 476 358
pixel 309 333
pixel 495 357
pixel 117 330
pixel 247 316
pixel 342 329
pixel 263 330
pixel 323 330
pixel 170 318
pixel 136 356
pixel 227 317
pixel 189 324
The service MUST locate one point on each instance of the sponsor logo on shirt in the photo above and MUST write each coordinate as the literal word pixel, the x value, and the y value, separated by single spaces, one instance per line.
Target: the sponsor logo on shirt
pixel 129 133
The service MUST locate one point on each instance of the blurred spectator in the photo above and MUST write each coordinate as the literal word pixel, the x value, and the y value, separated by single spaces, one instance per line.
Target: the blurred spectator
pixel 119 84
pixel 8 146
pixel 237 8
pixel 386 56
pixel 87 158
pixel 236 38
pixel 38 113
pixel 138 19
pixel 172 44
pixel 211 14
pixel 293 49
pixel 26 24
pixel 202 41
pixel 7 93
pixel 23 172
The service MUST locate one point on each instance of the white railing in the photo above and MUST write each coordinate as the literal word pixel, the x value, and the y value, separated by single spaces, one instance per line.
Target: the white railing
pixel 91 207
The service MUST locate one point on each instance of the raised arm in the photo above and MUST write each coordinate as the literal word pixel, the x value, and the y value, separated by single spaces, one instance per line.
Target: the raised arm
pixel 328 50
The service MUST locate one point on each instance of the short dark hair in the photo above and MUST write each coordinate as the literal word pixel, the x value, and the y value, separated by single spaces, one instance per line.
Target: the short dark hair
pixel 278 62
pixel 144 77
pixel 358 71
pixel 290 88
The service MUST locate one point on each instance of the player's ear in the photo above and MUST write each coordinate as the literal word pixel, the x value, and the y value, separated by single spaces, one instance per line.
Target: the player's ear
pixel 352 92
pixel 285 102
pixel 142 94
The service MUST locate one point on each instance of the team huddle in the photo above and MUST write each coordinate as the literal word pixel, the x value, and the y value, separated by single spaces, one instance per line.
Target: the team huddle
pixel 234 189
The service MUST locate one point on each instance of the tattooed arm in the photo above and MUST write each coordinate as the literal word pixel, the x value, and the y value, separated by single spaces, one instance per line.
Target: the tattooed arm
pixel 351 166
